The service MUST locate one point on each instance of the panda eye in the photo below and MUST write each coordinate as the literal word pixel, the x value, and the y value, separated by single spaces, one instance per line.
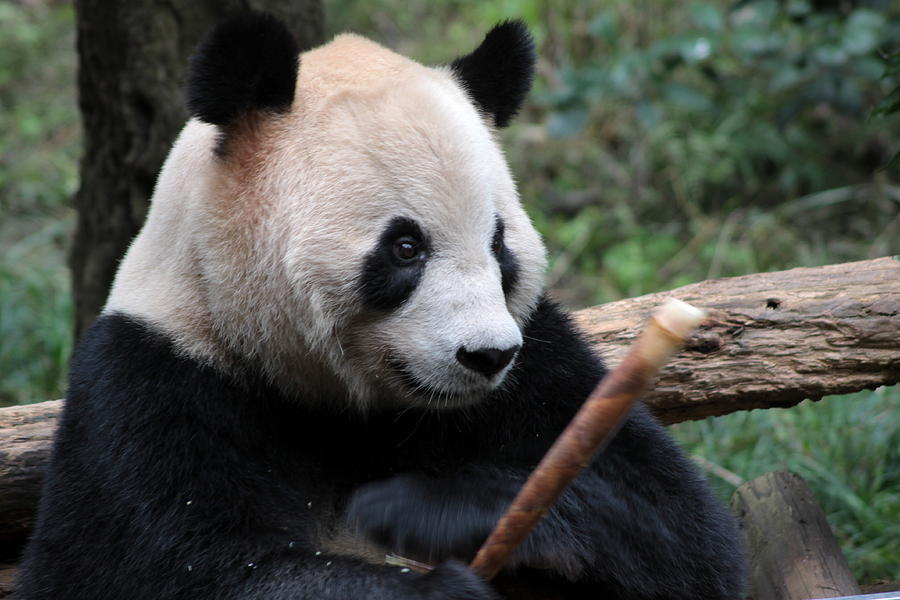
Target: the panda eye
pixel 407 249
pixel 497 245
pixel 497 242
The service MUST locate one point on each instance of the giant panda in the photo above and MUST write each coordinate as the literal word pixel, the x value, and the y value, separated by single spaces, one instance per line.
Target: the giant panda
pixel 330 342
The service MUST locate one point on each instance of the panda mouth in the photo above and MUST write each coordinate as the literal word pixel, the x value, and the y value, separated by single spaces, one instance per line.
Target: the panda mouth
pixel 433 397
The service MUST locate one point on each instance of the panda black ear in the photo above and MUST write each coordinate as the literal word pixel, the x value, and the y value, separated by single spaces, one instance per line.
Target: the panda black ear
pixel 246 63
pixel 499 72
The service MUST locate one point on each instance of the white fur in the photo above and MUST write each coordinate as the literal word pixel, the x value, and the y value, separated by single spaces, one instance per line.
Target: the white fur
pixel 254 259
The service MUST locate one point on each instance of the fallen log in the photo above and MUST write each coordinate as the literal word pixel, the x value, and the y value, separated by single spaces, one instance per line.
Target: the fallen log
pixel 771 339
pixel 26 433
pixel 7 577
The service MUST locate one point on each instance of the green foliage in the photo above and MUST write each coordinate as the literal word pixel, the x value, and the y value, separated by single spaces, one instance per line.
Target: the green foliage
pixel 891 103
pixel 755 70
pixel 721 127
pixel 39 138
pixel 848 450
pixel 35 316
pixel 39 132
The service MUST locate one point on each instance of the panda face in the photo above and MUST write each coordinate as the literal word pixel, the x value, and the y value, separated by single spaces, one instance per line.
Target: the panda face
pixel 437 311
pixel 363 243
pixel 441 317
pixel 434 267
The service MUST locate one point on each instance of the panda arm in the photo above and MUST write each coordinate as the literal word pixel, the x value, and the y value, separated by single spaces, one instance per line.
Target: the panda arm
pixel 168 482
pixel 641 519
pixel 639 522
pixel 638 530
pixel 642 522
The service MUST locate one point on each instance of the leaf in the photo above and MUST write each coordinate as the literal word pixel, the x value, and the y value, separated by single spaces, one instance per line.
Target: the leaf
pixel 894 163
pixel 695 49
pixel 760 13
pixel 785 77
pixel 869 68
pixel 798 8
pixel 889 104
pixel 849 97
pixel 685 97
pixel 567 123
pixel 706 16
pixel 754 41
pixel 649 114
pixel 893 65
pixel 604 26
pixel 830 55
pixel 862 33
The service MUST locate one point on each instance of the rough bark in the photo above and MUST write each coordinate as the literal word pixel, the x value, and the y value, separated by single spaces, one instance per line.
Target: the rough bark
pixel 26 434
pixel 7 576
pixel 793 552
pixel 132 59
pixel 835 329
pixel 771 339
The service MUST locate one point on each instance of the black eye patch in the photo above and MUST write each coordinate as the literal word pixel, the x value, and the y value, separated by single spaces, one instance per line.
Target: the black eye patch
pixel 394 267
pixel 509 267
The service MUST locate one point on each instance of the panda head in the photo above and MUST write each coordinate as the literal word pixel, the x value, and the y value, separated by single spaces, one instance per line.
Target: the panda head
pixel 343 220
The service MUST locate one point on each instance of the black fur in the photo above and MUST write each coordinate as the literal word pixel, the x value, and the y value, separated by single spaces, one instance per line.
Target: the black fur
pixel 247 63
pixel 385 282
pixel 509 266
pixel 169 481
pixel 499 72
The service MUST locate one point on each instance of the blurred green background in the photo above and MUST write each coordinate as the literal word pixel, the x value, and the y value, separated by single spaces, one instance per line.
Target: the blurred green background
pixel 665 143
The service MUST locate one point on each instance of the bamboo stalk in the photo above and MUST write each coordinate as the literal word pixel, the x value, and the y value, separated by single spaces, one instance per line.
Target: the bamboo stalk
pixel 592 427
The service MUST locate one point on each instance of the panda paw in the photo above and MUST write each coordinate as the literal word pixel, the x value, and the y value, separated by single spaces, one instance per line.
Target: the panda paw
pixel 421 517
pixel 453 580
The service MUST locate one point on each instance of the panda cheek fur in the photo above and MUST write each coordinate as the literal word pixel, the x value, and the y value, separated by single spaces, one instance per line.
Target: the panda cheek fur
pixel 428 332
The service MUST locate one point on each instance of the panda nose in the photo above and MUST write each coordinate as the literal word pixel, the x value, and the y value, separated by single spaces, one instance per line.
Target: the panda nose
pixel 487 361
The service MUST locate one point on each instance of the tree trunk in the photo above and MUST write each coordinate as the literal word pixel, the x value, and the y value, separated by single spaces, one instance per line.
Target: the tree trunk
pixel 772 339
pixel 132 59
pixel 793 552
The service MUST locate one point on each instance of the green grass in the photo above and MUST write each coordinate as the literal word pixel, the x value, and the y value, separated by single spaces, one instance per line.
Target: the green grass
pixel 846 447
pixel 644 167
